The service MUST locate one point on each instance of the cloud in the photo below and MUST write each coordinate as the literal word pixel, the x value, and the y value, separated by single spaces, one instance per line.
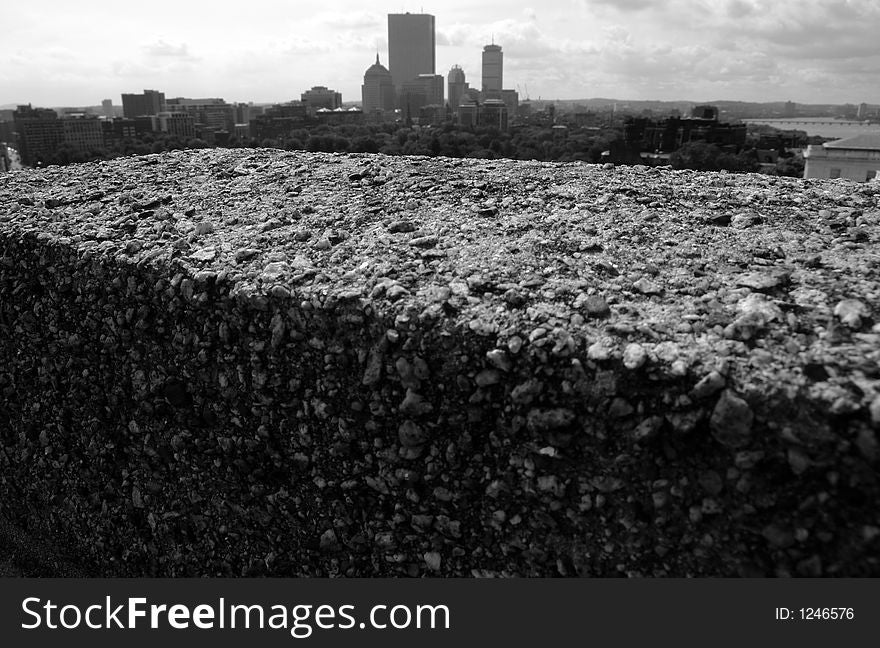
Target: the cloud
pixel 162 49
pixel 738 9
pixel 517 38
pixel 352 20
pixel 622 5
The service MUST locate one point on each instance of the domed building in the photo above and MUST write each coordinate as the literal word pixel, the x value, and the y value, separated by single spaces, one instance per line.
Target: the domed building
pixel 457 87
pixel 377 93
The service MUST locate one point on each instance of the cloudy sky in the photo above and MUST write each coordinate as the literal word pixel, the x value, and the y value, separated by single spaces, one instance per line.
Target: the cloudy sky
pixel 62 53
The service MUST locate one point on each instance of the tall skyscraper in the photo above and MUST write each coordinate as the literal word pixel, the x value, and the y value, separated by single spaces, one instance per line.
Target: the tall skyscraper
pixel 411 47
pixel 493 63
pixel 457 87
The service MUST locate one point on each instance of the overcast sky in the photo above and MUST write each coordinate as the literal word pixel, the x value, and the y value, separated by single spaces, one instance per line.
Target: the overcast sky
pixel 62 53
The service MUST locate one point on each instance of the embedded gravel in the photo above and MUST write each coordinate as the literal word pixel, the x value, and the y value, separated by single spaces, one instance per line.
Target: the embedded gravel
pixel 243 362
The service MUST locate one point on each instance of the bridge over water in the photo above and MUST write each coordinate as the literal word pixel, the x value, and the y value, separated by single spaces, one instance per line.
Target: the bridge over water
pixel 812 122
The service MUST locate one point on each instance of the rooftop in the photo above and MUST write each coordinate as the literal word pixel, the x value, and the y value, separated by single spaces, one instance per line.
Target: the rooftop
pixel 864 141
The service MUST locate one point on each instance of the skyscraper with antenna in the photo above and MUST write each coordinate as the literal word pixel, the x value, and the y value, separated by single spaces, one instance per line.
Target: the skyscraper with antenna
pixel 493 66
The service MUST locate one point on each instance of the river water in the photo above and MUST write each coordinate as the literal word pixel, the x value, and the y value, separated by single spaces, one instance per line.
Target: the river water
pixel 820 126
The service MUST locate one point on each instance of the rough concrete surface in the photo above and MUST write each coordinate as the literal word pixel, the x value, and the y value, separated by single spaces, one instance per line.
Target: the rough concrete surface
pixel 247 362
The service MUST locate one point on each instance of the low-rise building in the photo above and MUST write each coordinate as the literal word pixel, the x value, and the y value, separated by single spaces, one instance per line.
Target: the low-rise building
pixel 854 158
pixel 670 134
pixel 279 120
pixel 117 129
pixel 493 112
pixel 489 113
pixel 353 115
pixel 145 124
pixel 180 124
pixel 322 97
pixel 214 112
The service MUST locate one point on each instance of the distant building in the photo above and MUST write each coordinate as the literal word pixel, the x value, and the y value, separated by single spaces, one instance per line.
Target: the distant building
pixel 242 132
pixel 411 47
pixel 82 133
pixel 670 134
pixel 150 102
pixel 5 162
pixel 145 124
pixel 468 113
pixel 322 97
pixel 705 113
pixel 493 112
pixel 40 133
pixel 560 131
pixel 213 111
pixel 471 95
pixel 511 100
pixel 107 108
pixel 854 158
pixel 242 113
pixel 118 129
pixel 457 86
pixel 211 135
pixel 279 120
pixel 377 92
pixel 353 115
pixel 181 123
pixel 434 114
pixel 790 109
pixel 493 66
pixel 863 111
pixel 489 113
pixel 7 129
pixel 424 90
pixel 781 140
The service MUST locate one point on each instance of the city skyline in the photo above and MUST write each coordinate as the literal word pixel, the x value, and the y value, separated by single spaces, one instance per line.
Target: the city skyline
pixel 749 50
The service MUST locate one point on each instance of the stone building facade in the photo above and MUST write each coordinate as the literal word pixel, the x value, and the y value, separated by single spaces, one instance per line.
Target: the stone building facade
pixel 854 158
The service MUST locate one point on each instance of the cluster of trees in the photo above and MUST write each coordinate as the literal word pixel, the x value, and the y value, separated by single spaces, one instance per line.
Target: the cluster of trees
pixel 520 143
pixel 527 142
pixel 142 145
pixel 701 156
